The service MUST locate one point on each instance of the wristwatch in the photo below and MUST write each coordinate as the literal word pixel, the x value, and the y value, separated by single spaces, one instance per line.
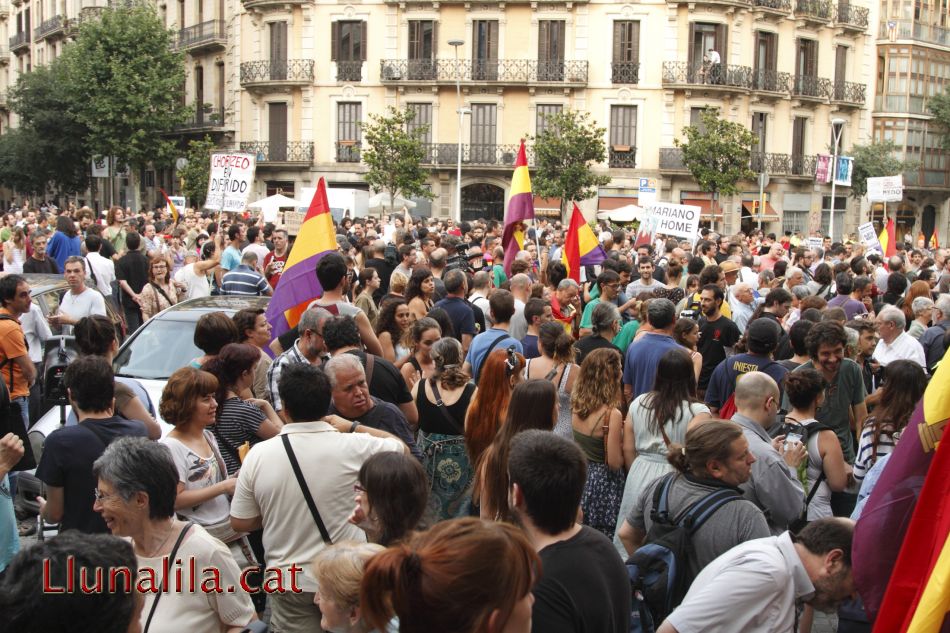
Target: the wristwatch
pixel 353 427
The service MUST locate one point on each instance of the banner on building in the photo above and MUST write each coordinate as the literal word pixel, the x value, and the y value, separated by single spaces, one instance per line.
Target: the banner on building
pixel 823 168
pixel 100 167
pixel 869 238
pixel 675 220
pixel 843 171
pixel 886 189
pixel 231 181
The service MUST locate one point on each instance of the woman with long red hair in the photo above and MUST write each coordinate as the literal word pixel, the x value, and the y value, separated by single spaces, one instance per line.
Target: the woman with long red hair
pixel 501 371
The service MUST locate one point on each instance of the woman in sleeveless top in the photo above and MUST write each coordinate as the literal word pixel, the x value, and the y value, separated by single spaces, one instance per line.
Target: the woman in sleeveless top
pixel 419 292
pixel 115 231
pixel 686 333
pixel 419 366
pixel 391 327
pixel 597 426
pixel 442 429
pixel 14 252
pixel 657 419
pixel 555 364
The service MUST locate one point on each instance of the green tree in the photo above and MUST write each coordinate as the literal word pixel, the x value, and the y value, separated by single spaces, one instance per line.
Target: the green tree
pixel 939 106
pixel 124 80
pixel 394 155
pixel 876 159
pixel 194 175
pixel 564 153
pixel 717 153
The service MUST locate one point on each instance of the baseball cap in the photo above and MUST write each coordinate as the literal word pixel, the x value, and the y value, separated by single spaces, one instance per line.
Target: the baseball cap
pixel 762 335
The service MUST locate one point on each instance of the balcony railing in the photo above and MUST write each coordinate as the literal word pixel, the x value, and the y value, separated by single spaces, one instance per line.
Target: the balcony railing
pixel 851 16
pixel 446 154
pixel 625 72
pixel 775 5
pixel 512 71
pixel 671 159
pixel 349 71
pixel 212 32
pixel 20 41
pixel 53 26
pixel 286 152
pixel 708 75
pixel 791 165
pixel 814 10
pixel 622 158
pixel 768 80
pixel 256 4
pixel 201 119
pixel 277 70
pixel 909 30
pixel 347 152
pixel 848 92
pixel 811 87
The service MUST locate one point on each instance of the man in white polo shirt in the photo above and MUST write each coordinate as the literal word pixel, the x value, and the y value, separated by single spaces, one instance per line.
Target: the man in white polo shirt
pixel 895 343
pixel 80 301
pixel 755 586
pixel 269 495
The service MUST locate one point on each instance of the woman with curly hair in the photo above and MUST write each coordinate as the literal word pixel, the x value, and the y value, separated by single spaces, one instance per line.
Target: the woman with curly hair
pixel 533 406
pixel 442 400
pixel 917 289
pixel 392 326
pixel 904 385
pixel 368 284
pixel 419 292
pixel 422 336
pixel 160 292
pixel 686 333
pixel 597 429
pixel 501 372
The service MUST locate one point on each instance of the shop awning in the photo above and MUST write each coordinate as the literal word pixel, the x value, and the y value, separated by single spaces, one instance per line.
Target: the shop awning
pixel 770 215
pixel 609 203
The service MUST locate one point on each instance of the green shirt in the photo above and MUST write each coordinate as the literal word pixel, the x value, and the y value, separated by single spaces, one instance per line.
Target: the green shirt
pixel 498 275
pixel 589 312
pixel 625 335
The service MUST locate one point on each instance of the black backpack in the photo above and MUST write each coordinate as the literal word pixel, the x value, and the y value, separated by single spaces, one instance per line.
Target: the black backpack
pixel 59 352
pixel 806 431
pixel 658 570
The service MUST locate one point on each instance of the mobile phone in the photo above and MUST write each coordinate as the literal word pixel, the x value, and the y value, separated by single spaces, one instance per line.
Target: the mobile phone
pixel 792 438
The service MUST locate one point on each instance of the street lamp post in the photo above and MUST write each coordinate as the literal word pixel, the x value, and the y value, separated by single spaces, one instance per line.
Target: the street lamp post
pixel 458 106
pixel 837 126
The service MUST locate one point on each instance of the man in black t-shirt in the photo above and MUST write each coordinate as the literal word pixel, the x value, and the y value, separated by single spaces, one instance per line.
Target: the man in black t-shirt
pixel 132 272
pixel 717 334
pixel 584 586
pixel 69 452
pixel 39 262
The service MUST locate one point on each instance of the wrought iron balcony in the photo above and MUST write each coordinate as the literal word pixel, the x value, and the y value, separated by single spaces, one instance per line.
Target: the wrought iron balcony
pixel 811 87
pixel 287 152
pixel 347 152
pixel 848 93
pixel 20 42
pixel 265 72
pixel 56 25
pixel 790 165
pixel 709 76
pixel 851 17
pixel 622 158
pixel 818 11
pixel 671 159
pixel 778 6
pixel 501 71
pixel 206 35
pixel 625 72
pixel 349 71
pixel 910 30
pixel 767 80
pixel 446 155
pixel 260 4
pixel 203 119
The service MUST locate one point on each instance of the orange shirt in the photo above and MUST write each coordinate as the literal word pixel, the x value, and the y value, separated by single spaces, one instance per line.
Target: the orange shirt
pixel 13 345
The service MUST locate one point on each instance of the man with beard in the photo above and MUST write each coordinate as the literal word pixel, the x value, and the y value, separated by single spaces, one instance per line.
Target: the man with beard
pixel 717 334
pixel 755 587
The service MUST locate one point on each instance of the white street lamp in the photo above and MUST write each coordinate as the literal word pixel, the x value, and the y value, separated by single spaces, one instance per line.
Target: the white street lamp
pixel 837 126
pixel 458 106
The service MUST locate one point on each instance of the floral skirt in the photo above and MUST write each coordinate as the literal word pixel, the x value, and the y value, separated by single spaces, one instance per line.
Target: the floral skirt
pixel 602 496
pixel 450 474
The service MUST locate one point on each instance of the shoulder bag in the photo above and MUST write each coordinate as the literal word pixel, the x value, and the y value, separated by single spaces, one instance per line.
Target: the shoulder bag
pixel 324 534
pixel 171 561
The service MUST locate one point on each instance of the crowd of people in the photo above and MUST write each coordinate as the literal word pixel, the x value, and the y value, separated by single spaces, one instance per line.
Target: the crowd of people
pixel 449 442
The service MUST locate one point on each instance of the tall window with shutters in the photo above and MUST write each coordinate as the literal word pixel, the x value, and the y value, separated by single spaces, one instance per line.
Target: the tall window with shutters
pixel 421 121
pixel 625 68
pixel 551 50
pixel 349 115
pixel 422 49
pixel 484 133
pixel 766 62
pixel 278 50
pixel 798 145
pixel 544 111
pixel 348 42
pixel 485 50
pixel 276 132
pixel 623 136
pixel 806 68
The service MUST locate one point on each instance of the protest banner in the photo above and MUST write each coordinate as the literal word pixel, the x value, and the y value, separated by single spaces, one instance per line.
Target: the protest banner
pixel 231 181
pixel 869 238
pixel 676 220
pixel 886 189
pixel 813 242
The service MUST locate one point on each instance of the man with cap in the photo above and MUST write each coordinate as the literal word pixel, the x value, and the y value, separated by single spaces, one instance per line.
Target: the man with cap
pixel 761 337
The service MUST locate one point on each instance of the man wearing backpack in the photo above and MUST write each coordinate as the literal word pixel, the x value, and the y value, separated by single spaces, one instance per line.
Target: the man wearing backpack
pixel 756 587
pixel 761 339
pixel 774 485
pixel 584 586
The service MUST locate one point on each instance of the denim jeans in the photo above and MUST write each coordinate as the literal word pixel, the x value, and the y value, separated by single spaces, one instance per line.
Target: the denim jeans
pixel 24 403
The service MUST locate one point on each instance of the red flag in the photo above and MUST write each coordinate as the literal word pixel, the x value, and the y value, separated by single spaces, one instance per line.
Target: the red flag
pixel 890 241
pixel 171 205
pixel 572 247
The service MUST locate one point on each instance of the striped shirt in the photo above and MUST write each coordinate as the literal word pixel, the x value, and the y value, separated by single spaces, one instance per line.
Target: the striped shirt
pixel 867 455
pixel 238 422
pixel 292 355
pixel 244 280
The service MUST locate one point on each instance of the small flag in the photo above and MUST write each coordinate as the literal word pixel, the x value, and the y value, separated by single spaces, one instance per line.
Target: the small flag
pixel 520 208
pixel 171 205
pixel 581 247
pixel 888 238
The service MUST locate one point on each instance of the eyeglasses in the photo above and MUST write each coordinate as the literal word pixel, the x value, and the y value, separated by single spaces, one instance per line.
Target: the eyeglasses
pixel 358 488
pixel 101 496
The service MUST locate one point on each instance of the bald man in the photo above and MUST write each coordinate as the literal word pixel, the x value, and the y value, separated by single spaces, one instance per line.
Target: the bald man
pixel 774 484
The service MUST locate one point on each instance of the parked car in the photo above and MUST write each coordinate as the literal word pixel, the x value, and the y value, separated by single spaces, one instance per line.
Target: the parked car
pixel 150 355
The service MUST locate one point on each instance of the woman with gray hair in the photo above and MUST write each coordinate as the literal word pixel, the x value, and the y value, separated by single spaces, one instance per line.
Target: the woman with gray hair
pixel 137 486
pixel 923 308
pixel 442 401
pixel 605 323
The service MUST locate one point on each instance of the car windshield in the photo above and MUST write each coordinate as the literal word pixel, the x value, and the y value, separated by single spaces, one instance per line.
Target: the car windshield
pixel 161 347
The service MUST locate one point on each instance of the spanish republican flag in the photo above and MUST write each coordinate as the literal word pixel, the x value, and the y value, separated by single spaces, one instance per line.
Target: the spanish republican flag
pixel 888 238
pixel 520 208
pixel 171 205
pixel 581 247
pixel 298 284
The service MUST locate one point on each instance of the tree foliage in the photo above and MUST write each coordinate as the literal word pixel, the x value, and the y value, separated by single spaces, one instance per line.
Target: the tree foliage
pixel 124 78
pixel 194 176
pixel 394 155
pixel 568 146
pixel 717 153
pixel 939 106
pixel 876 159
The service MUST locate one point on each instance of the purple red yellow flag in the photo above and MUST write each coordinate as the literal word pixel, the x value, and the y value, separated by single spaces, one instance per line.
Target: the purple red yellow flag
pixel 171 205
pixel 520 208
pixel 298 284
pixel 888 239
pixel 581 247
